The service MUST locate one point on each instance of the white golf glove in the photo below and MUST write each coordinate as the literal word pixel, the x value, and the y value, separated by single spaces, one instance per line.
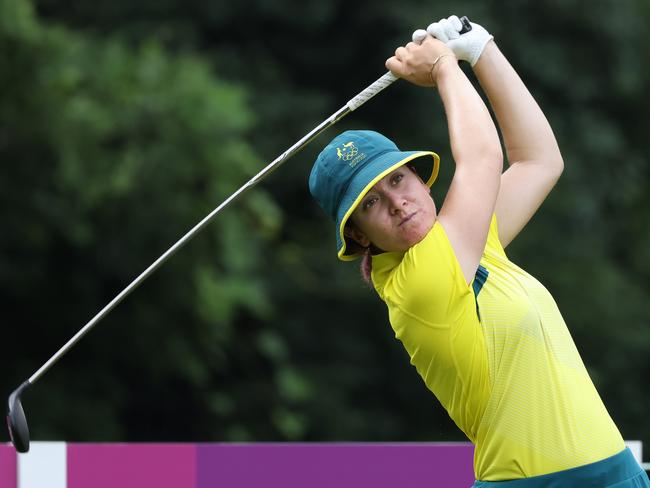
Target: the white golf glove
pixel 467 47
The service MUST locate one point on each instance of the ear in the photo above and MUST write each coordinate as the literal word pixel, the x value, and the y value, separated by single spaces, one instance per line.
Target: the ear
pixel 411 166
pixel 353 232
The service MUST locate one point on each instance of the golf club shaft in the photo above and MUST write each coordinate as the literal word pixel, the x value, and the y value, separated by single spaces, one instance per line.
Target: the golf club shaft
pixel 354 103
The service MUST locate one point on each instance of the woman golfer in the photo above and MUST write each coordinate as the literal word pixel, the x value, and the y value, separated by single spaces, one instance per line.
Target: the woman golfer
pixel 486 337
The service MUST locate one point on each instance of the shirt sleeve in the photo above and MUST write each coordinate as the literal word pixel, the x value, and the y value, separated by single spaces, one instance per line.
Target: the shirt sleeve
pixel 433 313
pixel 429 283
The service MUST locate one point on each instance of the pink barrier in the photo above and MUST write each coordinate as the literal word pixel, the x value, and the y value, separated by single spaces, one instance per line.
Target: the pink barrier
pixel 7 467
pixel 131 465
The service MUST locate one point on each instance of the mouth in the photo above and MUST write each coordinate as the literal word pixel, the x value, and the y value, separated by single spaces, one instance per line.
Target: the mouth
pixel 406 219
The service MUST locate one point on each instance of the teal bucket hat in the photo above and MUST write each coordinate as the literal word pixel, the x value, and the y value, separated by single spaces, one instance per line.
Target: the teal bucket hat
pixel 350 165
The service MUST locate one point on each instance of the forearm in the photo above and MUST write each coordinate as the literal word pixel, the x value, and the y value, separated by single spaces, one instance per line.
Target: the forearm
pixel 527 135
pixel 473 136
pixel 471 198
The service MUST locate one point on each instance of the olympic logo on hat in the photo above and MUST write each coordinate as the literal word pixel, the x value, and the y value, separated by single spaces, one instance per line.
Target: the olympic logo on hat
pixel 347 151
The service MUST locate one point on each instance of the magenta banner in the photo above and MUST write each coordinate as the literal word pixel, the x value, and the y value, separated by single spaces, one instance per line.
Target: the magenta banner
pixel 7 467
pixel 131 465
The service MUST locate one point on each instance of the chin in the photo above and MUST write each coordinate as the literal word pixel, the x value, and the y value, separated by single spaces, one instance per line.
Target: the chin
pixel 422 230
pixel 415 236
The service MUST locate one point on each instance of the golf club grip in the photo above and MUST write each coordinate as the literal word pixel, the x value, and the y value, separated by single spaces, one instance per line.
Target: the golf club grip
pixel 384 82
pixel 389 78
pixel 467 26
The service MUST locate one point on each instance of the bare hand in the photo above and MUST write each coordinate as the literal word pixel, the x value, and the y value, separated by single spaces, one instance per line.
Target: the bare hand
pixel 415 62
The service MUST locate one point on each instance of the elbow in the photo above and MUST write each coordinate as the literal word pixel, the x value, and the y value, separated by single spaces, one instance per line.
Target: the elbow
pixel 556 167
pixel 548 167
pixel 488 159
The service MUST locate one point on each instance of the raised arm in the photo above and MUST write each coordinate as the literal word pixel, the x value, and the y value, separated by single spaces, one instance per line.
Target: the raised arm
pixel 470 202
pixel 531 149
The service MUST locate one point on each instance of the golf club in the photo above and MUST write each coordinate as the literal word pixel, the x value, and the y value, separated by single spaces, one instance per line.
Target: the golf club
pixel 16 420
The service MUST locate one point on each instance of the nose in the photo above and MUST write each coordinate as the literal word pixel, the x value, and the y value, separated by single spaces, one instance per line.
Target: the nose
pixel 397 203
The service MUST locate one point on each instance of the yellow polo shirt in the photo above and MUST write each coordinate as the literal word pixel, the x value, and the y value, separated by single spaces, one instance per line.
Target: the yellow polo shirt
pixel 498 356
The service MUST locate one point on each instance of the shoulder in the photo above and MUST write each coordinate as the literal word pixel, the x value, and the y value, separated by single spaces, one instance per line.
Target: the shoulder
pixel 425 281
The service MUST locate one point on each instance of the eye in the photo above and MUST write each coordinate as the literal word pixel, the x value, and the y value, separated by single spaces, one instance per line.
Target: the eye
pixel 369 202
pixel 397 177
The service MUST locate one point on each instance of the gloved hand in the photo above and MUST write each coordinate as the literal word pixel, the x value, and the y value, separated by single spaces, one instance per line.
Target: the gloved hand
pixel 467 47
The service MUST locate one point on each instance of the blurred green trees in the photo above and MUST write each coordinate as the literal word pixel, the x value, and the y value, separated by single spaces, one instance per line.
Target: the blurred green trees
pixel 123 124
pixel 110 153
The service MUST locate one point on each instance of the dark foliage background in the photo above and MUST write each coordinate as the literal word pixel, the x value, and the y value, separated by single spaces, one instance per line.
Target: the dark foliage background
pixel 123 123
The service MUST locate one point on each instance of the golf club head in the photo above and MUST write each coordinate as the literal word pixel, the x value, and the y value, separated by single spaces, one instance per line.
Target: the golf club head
pixel 16 421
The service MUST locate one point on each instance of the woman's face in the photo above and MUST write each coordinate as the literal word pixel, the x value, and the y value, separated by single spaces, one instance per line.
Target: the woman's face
pixel 395 214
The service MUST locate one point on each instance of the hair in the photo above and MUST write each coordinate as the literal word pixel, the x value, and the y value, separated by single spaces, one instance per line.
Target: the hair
pixel 366 266
pixel 365 252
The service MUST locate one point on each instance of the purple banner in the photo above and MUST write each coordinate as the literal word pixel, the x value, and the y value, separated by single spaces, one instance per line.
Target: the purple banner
pixel 7 466
pixel 131 465
pixel 334 465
